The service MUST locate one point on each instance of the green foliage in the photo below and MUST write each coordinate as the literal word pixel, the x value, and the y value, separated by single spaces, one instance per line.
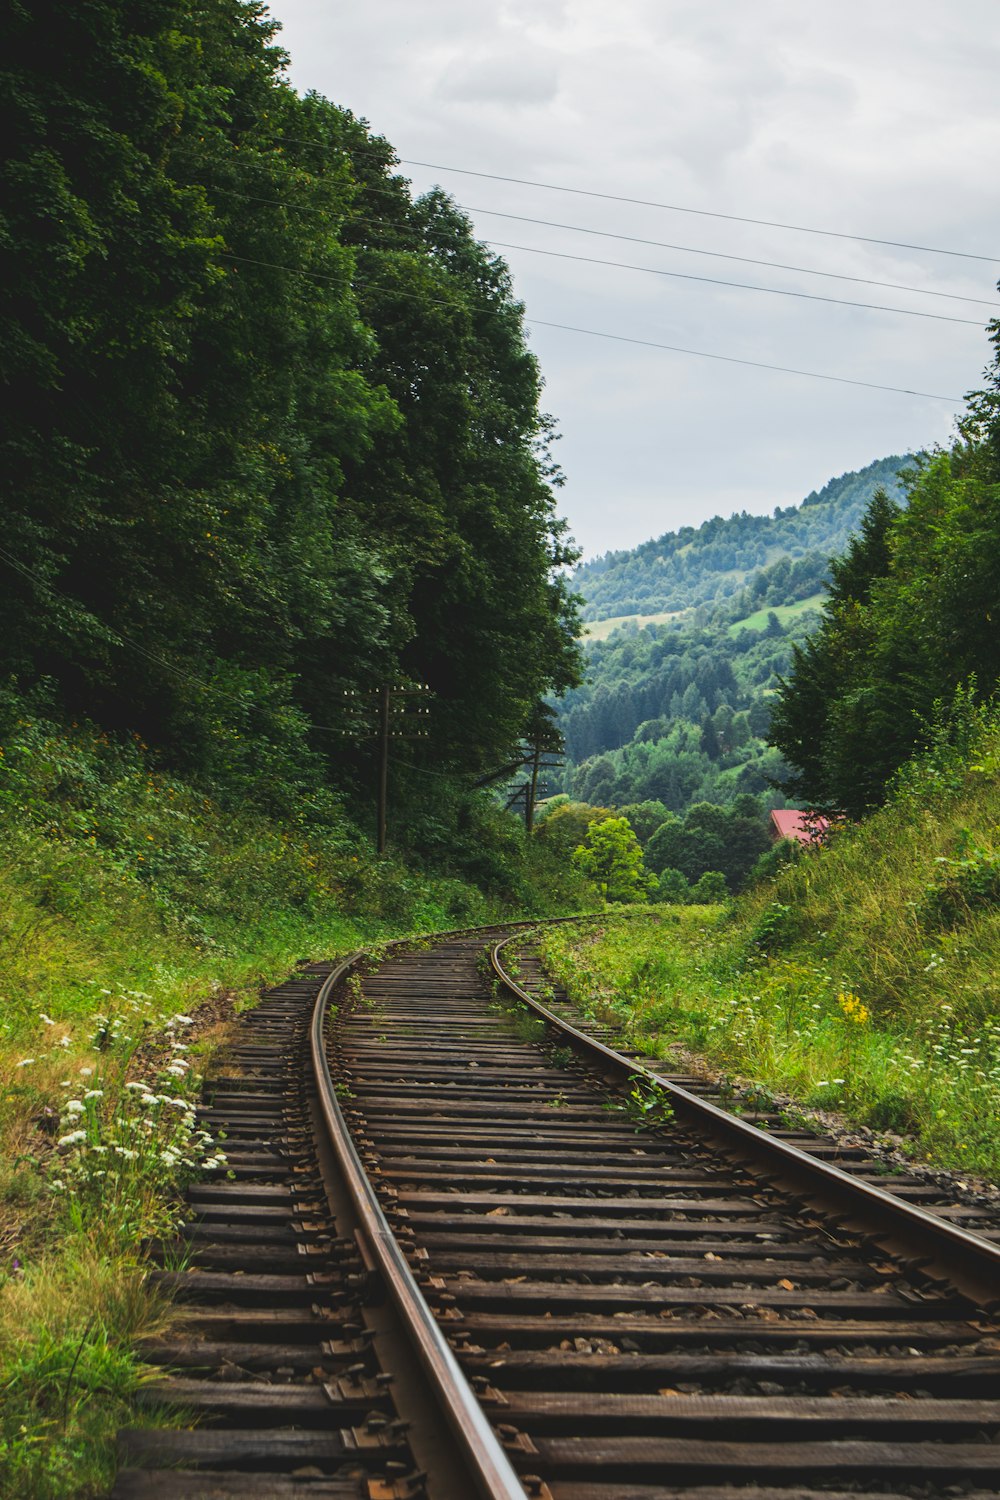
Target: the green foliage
pixel 273 432
pixel 766 866
pixel 647 1103
pixel 710 888
pixel 567 825
pixel 966 882
pixel 673 887
pixel 611 857
pixel 70 1377
pixel 678 714
pixel 723 840
pixel 913 616
pixel 640 684
pixel 645 818
pixel 679 711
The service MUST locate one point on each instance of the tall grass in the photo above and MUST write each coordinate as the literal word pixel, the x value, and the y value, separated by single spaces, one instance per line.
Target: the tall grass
pixel 866 976
pixel 132 904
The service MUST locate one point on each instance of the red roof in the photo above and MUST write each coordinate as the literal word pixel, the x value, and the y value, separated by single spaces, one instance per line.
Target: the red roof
pixel 789 823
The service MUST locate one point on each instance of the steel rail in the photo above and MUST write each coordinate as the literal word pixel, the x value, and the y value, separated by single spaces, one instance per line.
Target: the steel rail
pixel 970 1262
pixel 489 1467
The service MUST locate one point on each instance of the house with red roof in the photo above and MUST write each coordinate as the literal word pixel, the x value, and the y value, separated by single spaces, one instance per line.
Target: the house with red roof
pixel 802 827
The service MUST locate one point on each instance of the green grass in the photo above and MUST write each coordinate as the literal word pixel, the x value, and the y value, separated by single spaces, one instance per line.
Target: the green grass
pixel 129 901
pixel 865 977
pixel 785 613
pixel 599 630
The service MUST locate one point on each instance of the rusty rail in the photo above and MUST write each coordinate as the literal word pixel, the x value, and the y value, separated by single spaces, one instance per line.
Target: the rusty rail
pixel 970 1262
pixel 489 1468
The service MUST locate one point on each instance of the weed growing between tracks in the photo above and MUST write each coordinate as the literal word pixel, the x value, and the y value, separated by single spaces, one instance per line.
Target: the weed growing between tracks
pixel 129 900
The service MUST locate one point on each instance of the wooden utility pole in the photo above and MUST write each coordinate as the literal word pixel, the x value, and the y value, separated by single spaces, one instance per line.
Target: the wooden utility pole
pixel 378 716
pixel 529 809
pixel 385 696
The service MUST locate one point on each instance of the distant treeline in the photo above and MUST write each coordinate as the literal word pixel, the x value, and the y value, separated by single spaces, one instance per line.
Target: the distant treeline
pixel 639 682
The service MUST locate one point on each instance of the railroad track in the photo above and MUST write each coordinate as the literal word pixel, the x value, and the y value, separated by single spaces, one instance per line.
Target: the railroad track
pixel 956 1201
pixel 698 1310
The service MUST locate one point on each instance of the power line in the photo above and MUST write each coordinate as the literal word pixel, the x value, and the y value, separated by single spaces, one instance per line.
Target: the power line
pixel 731 359
pixel 618 337
pixel 705 213
pixel 746 260
pixel 689 275
pixel 631 239
pixel 745 286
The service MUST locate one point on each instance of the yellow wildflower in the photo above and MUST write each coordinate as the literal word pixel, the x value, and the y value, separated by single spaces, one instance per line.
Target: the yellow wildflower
pixel 852 1008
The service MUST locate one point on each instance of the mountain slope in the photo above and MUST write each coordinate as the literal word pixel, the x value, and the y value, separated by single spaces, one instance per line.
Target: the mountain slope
pixel 715 561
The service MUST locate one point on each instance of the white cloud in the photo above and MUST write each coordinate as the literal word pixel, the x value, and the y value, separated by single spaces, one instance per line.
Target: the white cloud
pixel 874 119
pixel 509 78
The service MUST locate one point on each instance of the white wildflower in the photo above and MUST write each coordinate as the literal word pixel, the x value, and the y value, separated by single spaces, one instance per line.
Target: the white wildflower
pixel 73 1139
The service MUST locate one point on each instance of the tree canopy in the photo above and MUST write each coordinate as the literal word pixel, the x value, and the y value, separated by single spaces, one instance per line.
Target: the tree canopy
pixel 274 434
pixel 911 626
pixel 611 856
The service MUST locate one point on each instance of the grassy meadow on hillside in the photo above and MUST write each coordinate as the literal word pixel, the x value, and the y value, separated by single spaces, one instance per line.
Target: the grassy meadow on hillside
pixel 784 612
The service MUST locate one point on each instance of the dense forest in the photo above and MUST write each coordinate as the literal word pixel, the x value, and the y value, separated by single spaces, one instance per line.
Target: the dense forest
pixel 718 560
pixel 675 719
pixel 909 642
pixel 273 433
pixel 703 688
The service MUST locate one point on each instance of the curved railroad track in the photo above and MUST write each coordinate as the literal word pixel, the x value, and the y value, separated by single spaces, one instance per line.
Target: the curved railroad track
pixel 702 1309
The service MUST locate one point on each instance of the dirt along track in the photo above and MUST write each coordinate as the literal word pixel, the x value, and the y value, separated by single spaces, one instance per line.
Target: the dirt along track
pixel 642 1313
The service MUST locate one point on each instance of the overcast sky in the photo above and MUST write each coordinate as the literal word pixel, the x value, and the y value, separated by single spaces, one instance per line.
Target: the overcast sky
pixel 870 119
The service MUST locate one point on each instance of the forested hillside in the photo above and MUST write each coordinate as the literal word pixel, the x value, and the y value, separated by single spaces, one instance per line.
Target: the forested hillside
pixel 677 713
pixel 712 563
pixel 272 431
